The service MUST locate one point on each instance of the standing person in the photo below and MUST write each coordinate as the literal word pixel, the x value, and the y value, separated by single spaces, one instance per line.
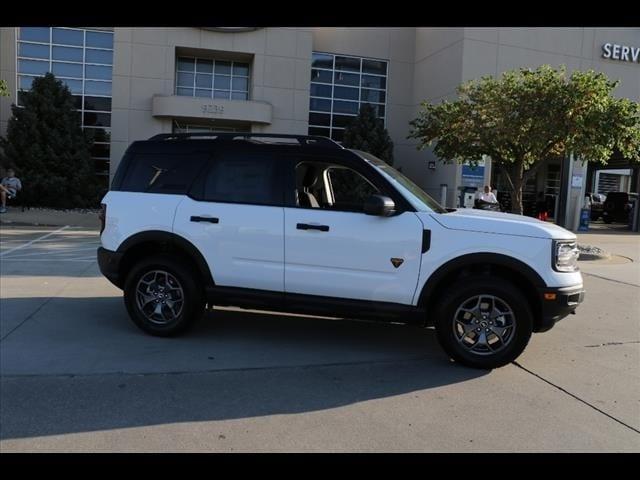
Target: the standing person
pixel 9 188
pixel 488 196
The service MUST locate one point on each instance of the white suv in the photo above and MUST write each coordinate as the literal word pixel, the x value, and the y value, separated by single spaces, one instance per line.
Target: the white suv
pixel 300 224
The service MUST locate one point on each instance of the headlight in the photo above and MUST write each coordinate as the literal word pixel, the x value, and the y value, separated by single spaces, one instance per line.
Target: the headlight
pixel 565 256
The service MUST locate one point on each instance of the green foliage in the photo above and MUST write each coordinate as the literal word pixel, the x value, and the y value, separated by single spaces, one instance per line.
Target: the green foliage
pixel 528 116
pixel 4 90
pixel 366 132
pixel 47 147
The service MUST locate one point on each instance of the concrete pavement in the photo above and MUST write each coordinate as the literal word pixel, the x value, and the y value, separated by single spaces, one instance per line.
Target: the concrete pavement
pixel 77 375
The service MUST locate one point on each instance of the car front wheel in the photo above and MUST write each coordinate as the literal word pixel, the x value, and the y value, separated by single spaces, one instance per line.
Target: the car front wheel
pixel 484 322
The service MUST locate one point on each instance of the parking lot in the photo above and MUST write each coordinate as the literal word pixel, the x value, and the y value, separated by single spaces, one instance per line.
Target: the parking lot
pixel 77 375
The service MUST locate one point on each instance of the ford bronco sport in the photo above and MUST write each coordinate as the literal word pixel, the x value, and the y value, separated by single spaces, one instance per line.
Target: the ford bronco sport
pixel 301 224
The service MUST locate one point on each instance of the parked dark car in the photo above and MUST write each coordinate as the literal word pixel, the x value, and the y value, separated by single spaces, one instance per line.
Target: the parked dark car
pixel 617 207
pixel 597 205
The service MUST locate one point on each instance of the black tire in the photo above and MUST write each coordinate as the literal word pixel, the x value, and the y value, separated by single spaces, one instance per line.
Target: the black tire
pixel 457 295
pixel 192 306
pixel 607 218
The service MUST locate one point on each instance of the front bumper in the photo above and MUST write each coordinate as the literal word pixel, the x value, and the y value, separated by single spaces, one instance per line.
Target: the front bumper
pixel 557 303
pixel 109 263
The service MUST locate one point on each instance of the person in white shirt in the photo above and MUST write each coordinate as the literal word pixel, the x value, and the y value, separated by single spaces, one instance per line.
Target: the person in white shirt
pixel 488 195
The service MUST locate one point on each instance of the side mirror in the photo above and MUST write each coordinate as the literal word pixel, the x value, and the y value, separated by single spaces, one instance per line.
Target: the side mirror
pixel 379 205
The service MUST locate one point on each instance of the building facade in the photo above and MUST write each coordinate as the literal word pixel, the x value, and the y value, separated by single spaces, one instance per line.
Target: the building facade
pixel 132 83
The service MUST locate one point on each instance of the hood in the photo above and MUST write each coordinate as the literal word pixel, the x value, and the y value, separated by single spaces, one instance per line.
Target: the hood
pixel 475 220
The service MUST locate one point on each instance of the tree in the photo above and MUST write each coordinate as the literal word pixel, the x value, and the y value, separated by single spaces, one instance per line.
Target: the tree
pixel 528 116
pixel 48 148
pixel 366 132
pixel 4 90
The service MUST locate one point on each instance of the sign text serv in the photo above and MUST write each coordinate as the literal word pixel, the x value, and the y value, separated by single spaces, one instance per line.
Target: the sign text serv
pixel 622 53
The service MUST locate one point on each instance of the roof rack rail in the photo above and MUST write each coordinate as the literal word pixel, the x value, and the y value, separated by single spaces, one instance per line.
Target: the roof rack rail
pixel 302 139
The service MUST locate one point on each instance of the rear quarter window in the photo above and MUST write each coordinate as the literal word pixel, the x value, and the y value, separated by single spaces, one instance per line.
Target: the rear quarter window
pixel 162 173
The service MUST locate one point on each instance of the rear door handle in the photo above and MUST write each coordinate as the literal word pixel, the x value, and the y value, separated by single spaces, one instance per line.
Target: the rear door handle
pixel 306 226
pixel 195 218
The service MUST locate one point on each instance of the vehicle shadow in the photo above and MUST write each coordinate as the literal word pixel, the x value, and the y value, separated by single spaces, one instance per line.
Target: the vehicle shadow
pixel 79 365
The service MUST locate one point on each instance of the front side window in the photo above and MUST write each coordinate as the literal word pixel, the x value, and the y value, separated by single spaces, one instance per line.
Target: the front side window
pixel 242 178
pixel 331 187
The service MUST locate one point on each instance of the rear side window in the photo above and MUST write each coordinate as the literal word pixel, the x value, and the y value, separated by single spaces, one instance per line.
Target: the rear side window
pixel 243 178
pixel 162 173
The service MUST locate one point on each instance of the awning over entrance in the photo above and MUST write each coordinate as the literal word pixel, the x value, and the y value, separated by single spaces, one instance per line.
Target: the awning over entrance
pixel 194 108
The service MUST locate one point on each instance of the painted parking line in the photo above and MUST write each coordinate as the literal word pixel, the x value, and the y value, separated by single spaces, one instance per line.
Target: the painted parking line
pixel 28 244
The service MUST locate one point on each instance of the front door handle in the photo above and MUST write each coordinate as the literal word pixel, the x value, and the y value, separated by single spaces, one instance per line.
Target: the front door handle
pixel 306 226
pixel 196 218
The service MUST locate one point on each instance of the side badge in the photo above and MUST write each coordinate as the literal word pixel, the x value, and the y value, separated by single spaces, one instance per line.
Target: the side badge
pixel 396 262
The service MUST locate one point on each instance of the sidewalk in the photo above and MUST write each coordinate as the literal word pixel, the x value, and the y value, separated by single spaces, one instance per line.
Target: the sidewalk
pixel 624 247
pixel 48 217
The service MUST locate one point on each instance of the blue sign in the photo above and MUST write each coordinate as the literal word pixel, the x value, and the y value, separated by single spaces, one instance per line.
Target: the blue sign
pixel 585 217
pixel 473 176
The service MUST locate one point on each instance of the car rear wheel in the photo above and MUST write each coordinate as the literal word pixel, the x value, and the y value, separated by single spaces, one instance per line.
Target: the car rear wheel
pixel 162 297
pixel 484 322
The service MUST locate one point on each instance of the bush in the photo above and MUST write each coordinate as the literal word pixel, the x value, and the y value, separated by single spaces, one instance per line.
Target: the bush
pixel 366 132
pixel 48 149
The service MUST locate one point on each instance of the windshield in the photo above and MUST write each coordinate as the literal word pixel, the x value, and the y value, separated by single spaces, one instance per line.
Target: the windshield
pixel 420 199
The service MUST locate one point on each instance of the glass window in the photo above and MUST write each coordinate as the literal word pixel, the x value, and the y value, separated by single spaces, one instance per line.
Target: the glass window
pixel 337 134
pixel 322 60
pixel 342 78
pixel 372 95
pixel 222 82
pixel 33 50
pixel 374 82
pixel 345 107
pixel 162 173
pixel 35 34
pixel 374 66
pixel 240 83
pixel 186 64
pixel 97 88
pixel 320 104
pixel 99 56
pixel 204 93
pixel 223 67
pixel 97 103
pixel 185 92
pixel 225 94
pixel 350 189
pixel 342 121
pixel 99 134
pixel 319 90
pixel 71 54
pixel 321 76
pixel 243 179
pixel 348 64
pixel 36 67
pixel 350 89
pixel 203 80
pixel 97 119
pixel 100 150
pixel 77 102
pixel 240 69
pixel 64 36
pixel 321 119
pixel 25 82
pixel 239 96
pixel 185 79
pixel 97 72
pixel 322 132
pixel 74 85
pixel 346 93
pixel 100 39
pixel 204 66
pixel 73 70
